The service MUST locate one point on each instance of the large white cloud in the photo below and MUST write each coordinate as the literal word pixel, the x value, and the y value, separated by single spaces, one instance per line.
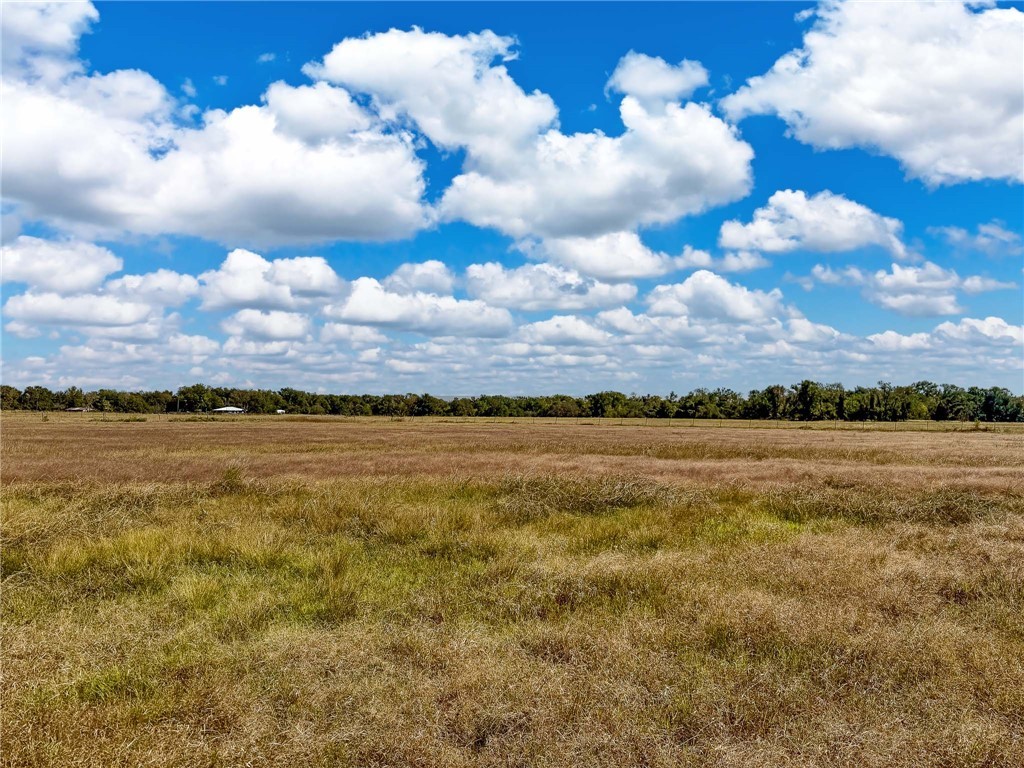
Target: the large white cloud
pixel 823 222
pixel 40 37
pixel 246 279
pixel 108 153
pixel 370 303
pixel 522 175
pixel 936 84
pixel 238 177
pixel 542 286
pixel 989 329
pixel 63 266
pixel 707 295
pixel 671 161
pixel 447 84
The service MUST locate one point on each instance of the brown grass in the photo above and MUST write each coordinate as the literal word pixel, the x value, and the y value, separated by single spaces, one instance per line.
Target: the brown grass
pixel 371 593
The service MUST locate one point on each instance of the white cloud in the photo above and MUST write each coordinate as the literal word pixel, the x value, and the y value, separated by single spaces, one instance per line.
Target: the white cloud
pixel 707 295
pixel 62 266
pixel 992 238
pixel 823 222
pixel 370 303
pixel 220 79
pixel 429 276
pixel 266 58
pixel 354 335
pixel 189 88
pixel 315 113
pixel 522 175
pixel 406 367
pixel 54 309
pixel 803 331
pixel 988 330
pixel 274 325
pixel 652 79
pixel 741 261
pixel 194 347
pixel 103 153
pixel 39 38
pixel 670 162
pixel 162 288
pixel 937 85
pixel 447 85
pixel 613 256
pixel 927 289
pixel 542 286
pixel 246 279
pixel 563 329
pixel 891 341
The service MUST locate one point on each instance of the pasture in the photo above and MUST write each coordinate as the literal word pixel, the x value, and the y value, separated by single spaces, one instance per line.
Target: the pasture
pixel 184 591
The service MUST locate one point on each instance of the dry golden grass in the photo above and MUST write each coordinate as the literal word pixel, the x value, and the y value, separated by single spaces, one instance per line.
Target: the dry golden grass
pixel 372 593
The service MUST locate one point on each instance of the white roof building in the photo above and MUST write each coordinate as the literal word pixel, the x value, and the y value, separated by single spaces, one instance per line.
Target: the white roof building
pixel 229 409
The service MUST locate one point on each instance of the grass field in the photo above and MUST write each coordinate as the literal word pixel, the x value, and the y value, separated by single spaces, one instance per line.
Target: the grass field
pixel 348 592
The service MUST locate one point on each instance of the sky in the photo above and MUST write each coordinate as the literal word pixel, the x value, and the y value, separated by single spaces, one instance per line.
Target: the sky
pixel 529 198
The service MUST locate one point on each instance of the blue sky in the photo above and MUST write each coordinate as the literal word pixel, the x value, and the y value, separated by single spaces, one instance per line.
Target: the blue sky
pixel 521 198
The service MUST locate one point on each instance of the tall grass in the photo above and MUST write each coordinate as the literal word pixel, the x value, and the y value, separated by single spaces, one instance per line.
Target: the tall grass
pixel 580 616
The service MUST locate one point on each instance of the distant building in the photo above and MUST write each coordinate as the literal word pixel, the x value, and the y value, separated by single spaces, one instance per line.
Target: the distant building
pixel 229 409
pixel 78 410
pixel 280 410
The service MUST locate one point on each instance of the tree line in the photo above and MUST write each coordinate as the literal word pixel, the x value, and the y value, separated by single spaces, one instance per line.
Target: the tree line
pixel 806 401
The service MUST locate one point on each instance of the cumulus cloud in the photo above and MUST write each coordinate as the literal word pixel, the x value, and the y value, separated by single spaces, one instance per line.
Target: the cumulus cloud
pixel 61 266
pixel 671 161
pixel 823 222
pixel 88 309
pixel 246 279
pixel 927 289
pixel 891 341
pixel 370 303
pixel 542 286
pixel 614 256
pixel 353 335
pixel 336 159
pixel 989 329
pixel 40 38
pixel 936 84
pixel 522 175
pixel 741 261
pixel 707 295
pixel 447 84
pixel 315 113
pixel 104 153
pixel 161 288
pixel 652 79
pixel 431 276
pixel 267 326
pixel 563 329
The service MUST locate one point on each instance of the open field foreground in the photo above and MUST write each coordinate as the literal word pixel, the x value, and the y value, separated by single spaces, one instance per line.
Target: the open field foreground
pixel 335 592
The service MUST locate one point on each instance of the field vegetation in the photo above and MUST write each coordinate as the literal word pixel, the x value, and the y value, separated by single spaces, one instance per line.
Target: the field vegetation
pixel 806 401
pixel 188 591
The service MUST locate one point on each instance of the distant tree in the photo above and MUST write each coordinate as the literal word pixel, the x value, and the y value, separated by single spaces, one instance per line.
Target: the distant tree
pixel 9 398
pixel 37 399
